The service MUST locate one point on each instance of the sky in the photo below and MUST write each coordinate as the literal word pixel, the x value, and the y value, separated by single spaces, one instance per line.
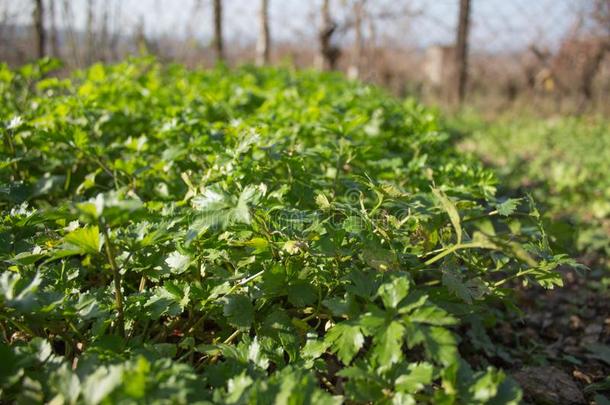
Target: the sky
pixel 496 24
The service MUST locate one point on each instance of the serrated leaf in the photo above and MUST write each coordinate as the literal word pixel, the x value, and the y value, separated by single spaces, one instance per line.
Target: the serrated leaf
pixel 393 292
pixel 322 202
pixel 345 340
pixel 314 348
pixel 440 344
pixel 218 208
pixel 508 207
pixel 177 262
pixel 418 376
pixel 84 240
pixel 600 351
pixel 388 345
pixel 379 258
pixel 301 294
pixel 468 291
pixel 452 211
pixel 433 315
pixel 239 311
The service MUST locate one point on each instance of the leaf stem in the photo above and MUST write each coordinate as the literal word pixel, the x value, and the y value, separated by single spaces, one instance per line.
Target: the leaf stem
pixel 118 295
pixel 442 254
pixel 452 249
pixel 520 273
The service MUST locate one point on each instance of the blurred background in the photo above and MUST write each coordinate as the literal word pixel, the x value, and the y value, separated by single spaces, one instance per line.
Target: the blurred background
pixel 549 55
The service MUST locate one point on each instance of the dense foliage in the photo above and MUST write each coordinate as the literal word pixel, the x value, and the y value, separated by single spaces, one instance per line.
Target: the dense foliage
pixel 564 163
pixel 248 236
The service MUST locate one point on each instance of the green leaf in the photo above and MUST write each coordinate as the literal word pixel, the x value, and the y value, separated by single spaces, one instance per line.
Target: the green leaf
pixel 468 291
pixel 388 345
pixel 322 202
pixel 314 348
pixel 508 207
pixel 379 258
pixel 274 280
pixel 440 344
pixel 345 340
pixel 84 240
pixel 418 375
pixel 239 311
pixel 220 209
pixel 433 315
pixel 393 292
pixel 603 385
pixel 452 211
pixel 353 224
pixel 301 294
pixel 600 352
pixel 177 262
pixel 99 385
pixel 237 386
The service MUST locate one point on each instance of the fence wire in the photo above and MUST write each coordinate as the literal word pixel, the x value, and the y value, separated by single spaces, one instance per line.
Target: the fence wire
pixel 515 46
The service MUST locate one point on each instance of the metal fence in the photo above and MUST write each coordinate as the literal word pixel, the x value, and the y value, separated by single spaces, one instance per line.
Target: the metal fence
pixel 553 49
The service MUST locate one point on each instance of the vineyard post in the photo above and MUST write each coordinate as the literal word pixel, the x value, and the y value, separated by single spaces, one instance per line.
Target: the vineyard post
pixel 38 16
pixel 90 33
pixel 218 42
pixel 356 66
pixel 461 51
pixel 328 53
pixel 263 43
pixel 53 29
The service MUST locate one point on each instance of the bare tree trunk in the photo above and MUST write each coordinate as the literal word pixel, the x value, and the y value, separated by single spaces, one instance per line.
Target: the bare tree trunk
pixel 263 44
pixel 90 35
pixel 461 51
pixel 115 32
pixel 140 37
pixel 356 65
pixel 218 42
pixel 38 17
pixel 53 30
pixel 69 18
pixel 104 35
pixel 329 54
pixel 589 73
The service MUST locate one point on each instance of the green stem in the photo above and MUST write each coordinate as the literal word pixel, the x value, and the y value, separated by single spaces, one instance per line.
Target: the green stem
pixel 8 141
pixel 442 254
pixel 520 273
pixel 118 295
pixel 450 250
pixel 21 326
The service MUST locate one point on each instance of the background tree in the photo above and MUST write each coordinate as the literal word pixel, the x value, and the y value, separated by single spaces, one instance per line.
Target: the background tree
pixel 68 18
pixel 329 53
pixel 39 31
pixel 358 51
pixel 218 42
pixel 461 50
pixel 90 32
pixel 263 44
pixel 54 39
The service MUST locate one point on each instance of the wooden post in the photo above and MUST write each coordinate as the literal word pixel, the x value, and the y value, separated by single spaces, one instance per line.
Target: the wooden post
pixel 104 41
pixel 218 39
pixel 329 54
pixel 38 17
pixel 356 65
pixel 90 52
pixel 263 44
pixel 68 18
pixel 461 51
pixel 53 28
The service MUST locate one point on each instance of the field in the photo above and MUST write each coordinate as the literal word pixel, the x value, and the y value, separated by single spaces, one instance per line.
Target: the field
pixel 563 162
pixel 273 236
